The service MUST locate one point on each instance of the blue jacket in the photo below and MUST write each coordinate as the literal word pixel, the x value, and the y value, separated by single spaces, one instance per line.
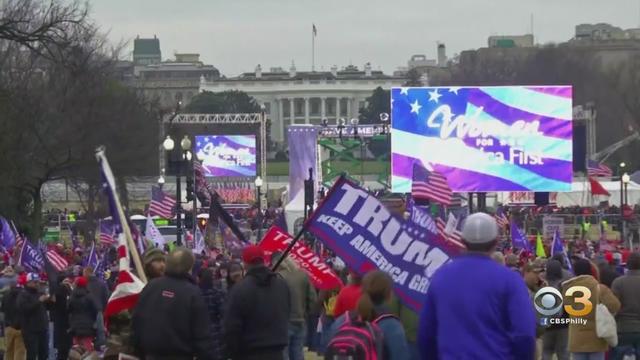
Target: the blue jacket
pixel 477 309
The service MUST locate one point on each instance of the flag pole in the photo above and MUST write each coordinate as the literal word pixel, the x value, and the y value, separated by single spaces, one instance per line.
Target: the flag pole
pixel 313 48
pixel 289 248
pixel 125 224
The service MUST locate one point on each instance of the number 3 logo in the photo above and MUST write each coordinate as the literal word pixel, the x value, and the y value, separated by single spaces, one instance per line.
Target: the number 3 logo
pixel 584 299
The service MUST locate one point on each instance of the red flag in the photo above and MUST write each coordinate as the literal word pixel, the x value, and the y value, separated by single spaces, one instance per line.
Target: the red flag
pixel 320 274
pixel 596 188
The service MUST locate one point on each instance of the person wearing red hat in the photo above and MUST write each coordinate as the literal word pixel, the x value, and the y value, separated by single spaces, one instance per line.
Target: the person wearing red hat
pixel 34 320
pixel 258 310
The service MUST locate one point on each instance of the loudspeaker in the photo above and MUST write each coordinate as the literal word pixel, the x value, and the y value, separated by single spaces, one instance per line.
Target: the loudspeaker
pixel 541 198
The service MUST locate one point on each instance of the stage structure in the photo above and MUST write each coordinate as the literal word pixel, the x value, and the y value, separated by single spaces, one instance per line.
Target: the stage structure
pixel 242 137
pixel 353 144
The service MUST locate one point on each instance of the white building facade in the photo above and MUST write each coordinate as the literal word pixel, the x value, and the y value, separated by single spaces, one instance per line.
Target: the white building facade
pixel 306 97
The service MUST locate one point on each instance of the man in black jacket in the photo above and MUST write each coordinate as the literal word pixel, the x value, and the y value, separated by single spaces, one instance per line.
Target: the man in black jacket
pixel 33 318
pixel 100 294
pixel 258 307
pixel 14 344
pixel 170 320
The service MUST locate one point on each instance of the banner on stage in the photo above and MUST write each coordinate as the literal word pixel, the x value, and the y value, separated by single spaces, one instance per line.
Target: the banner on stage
pixel 359 229
pixel 489 138
pixel 227 155
pixel 321 274
pixel 527 198
pixel 551 224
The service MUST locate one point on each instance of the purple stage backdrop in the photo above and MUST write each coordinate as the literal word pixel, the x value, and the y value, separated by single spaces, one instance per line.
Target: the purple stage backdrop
pixel 227 155
pixel 303 145
pixel 510 138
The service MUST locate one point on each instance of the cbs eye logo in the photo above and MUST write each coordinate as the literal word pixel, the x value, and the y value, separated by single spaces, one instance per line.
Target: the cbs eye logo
pixel 549 301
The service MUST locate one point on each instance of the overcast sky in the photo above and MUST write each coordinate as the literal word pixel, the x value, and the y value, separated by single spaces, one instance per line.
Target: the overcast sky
pixel 235 35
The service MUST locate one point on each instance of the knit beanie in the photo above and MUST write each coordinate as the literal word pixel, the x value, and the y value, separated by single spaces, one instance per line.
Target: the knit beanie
pixel 152 255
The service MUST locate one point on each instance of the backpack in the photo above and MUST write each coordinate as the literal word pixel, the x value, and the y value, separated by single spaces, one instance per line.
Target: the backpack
pixel 357 340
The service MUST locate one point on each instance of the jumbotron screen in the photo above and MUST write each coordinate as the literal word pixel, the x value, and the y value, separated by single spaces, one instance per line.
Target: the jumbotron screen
pixel 227 155
pixel 509 138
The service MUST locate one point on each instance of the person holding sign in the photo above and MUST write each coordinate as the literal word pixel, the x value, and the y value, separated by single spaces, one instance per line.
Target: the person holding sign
pixel 476 308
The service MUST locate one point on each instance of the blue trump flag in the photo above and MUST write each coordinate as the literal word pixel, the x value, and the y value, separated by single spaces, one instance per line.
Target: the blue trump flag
pixel 92 258
pixel 7 237
pixel 518 239
pixel 359 229
pixel 31 257
pixel 557 247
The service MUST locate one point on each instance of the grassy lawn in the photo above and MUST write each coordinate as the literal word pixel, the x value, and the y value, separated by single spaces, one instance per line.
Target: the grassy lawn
pixel 369 167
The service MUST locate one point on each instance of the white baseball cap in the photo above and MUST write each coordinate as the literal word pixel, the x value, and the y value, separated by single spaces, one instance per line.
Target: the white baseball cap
pixel 479 228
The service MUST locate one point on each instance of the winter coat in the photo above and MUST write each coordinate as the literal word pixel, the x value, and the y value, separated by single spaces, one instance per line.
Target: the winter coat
pixel 171 320
pixel 60 317
pixel 477 309
pixel 302 293
pixel 82 313
pixel 582 337
pixel 395 343
pixel 214 299
pixel 98 292
pixel 32 311
pixel 257 316
pixel 627 289
pixel 10 307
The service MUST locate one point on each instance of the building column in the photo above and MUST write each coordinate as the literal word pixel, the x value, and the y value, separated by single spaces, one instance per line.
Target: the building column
pixel 283 128
pixel 349 109
pixel 306 110
pixel 337 109
pixel 292 111
pixel 323 108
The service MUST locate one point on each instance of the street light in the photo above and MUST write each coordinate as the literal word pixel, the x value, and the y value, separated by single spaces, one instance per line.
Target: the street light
pixel 161 180
pixel 168 143
pixel 258 184
pixel 625 180
pixel 185 143
pixel 384 119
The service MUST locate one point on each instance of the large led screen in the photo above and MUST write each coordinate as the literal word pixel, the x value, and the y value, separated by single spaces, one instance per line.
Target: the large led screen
pixel 227 155
pixel 510 138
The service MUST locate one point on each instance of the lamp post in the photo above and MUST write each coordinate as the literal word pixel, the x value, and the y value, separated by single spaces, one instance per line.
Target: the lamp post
pixel 384 119
pixel 258 184
pixel 625 181
pixel 185 157
pixel 161 180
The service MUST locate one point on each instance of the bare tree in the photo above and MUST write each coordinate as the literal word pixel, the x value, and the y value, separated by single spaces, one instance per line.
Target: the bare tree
pixel 42 26
pixel 60 98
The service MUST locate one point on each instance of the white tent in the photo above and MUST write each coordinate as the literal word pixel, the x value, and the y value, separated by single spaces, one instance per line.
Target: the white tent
pixel 580 194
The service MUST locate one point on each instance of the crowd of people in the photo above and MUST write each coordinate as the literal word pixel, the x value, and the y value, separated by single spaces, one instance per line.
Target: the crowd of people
pixel 479 306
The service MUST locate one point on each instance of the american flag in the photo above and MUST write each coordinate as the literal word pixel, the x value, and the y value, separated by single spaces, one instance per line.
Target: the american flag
pixel 501 217
pixel 19 238
pixel 595 168
pixel 106 232
pixel 430 185
pixel 56 260
pixel 128 286
pixel 161 203
pixel 455 237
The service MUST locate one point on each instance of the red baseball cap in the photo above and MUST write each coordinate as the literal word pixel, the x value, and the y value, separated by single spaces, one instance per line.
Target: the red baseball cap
pixel 81 281
pixel 252 253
